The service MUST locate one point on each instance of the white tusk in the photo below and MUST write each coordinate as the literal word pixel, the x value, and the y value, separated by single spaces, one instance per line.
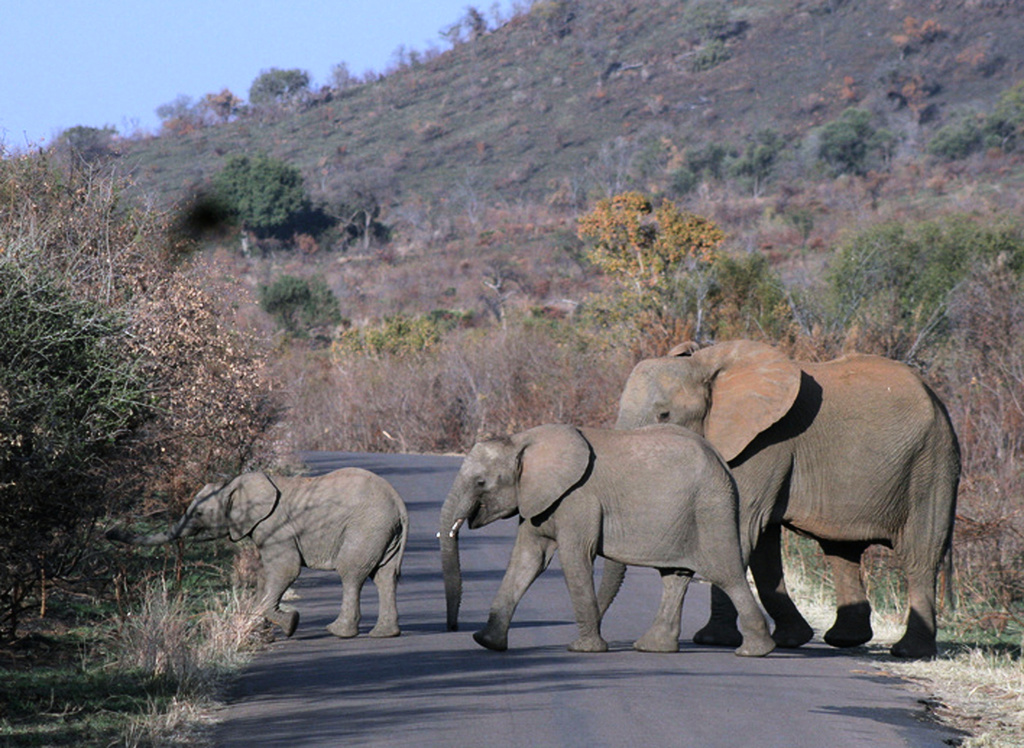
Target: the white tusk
pixel 455 528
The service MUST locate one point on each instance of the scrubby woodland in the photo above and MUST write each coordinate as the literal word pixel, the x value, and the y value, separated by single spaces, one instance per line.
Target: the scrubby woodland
pixel 486 239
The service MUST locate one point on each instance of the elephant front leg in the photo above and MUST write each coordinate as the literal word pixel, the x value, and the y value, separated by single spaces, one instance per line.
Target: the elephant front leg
pixel 852 626
pixel 663 635
pixel 530 556
pixel 578 568
pixel 277 575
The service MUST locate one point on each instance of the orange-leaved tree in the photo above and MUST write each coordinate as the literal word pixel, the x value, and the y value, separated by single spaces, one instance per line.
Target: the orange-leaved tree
pixel 647 246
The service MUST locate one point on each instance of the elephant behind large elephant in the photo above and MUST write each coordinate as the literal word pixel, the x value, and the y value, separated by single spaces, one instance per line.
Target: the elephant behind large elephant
pixel 851 452
pixel 349 520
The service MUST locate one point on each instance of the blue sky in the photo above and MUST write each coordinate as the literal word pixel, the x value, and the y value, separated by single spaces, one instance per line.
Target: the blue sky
pixel 113 62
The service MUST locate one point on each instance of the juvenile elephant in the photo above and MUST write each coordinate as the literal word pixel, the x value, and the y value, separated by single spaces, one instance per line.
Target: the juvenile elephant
pixel 850 452
pixel 350 520
pixel 659 497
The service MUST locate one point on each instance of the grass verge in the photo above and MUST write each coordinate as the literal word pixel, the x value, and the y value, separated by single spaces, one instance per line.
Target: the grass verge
pixel 147 677
pixel 976 684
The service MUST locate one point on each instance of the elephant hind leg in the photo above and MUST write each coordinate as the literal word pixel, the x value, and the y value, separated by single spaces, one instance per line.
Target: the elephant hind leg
pixel 663 635
pixel 918 641
pixel 386 580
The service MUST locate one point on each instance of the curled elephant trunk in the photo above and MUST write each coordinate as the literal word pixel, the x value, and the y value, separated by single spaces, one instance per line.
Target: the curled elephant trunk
pixel 158 538
pixel 453 515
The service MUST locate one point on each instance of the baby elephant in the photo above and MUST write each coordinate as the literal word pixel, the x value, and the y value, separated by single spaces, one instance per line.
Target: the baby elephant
pixel 659 496
pixel 351 520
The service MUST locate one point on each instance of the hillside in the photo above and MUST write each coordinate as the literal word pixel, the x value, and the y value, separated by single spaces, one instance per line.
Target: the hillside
pixel 571 98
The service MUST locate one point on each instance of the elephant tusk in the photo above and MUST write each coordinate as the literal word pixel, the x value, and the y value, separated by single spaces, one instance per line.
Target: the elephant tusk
pixel 455 527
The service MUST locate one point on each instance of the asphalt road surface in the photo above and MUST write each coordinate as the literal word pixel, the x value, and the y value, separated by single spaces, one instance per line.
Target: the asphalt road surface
pixel 432 687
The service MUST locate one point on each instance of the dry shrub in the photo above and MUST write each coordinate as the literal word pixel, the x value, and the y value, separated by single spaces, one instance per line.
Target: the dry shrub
pixel 475 382
pixel 214 403
pixel 984 373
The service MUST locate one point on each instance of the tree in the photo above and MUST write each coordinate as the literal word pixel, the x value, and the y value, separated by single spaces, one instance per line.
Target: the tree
pixel 758 159
pixel 846 142
pixel 87 144
pixel 221 107
pixel 265 195
pixel 180 115
pixel 1004 128
pixel 647 247
pixel 275 86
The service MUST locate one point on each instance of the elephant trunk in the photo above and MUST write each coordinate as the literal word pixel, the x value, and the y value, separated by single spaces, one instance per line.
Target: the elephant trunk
pixel 454 512
pixel 158 538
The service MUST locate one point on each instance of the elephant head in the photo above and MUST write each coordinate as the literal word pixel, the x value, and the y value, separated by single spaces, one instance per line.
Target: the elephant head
pixel 728 393
pixel 525 474
pixel 233 509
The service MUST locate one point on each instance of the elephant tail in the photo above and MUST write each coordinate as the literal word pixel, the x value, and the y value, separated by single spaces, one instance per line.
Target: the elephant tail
pixel 947 578
pixel 396 550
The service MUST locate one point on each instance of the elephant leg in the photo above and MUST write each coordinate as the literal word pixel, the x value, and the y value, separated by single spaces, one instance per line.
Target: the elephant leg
pixel 730 581
pixel 852 626
pixel 721 629
pixel 277 576
pixel 918 641
pixel 663 635
pixel 386 580
pixel 346 625
pixel 578 568
pixel 611 580
pixel 791 629
pixel 530 556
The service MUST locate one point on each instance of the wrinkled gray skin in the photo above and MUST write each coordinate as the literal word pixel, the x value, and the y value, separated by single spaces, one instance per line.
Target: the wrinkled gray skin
pixel 350 520
pixel 850 452
pixel 659 497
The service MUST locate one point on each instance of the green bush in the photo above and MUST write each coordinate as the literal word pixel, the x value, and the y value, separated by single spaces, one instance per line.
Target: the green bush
pixel 847 143
pixel 711 54
pixel 956 140
pixel 265 195
pixel 298 305
pixel 69 391
pixel 1004 128
pixel 897 277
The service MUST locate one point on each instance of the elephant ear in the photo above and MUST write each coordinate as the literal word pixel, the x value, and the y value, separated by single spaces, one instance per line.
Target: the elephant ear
pixel 754 385
pixel 552 459
pixel 686 348
pixel 252 498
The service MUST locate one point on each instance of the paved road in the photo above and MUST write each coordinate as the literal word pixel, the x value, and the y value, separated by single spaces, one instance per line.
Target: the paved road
pixel 431 687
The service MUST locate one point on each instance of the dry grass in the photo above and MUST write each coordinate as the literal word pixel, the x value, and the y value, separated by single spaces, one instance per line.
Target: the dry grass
pixel 975 688
pixel 195 651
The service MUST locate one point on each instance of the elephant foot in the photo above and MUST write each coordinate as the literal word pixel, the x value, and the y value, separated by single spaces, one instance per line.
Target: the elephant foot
pixel 589 644
pixel 755 646
pixel 914 648
pixel 656 643
pixel 792 636
pixel 344 629
pixel 383 631
pixel 844 641
pixel 288 620
pixel 718 636
pixel 490 641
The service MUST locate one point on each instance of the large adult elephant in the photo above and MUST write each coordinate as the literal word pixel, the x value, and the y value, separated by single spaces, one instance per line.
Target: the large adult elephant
pixel 851 452
pixel 349 520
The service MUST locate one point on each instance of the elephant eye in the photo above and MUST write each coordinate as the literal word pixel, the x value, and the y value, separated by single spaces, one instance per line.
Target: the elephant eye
pixel 663 416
